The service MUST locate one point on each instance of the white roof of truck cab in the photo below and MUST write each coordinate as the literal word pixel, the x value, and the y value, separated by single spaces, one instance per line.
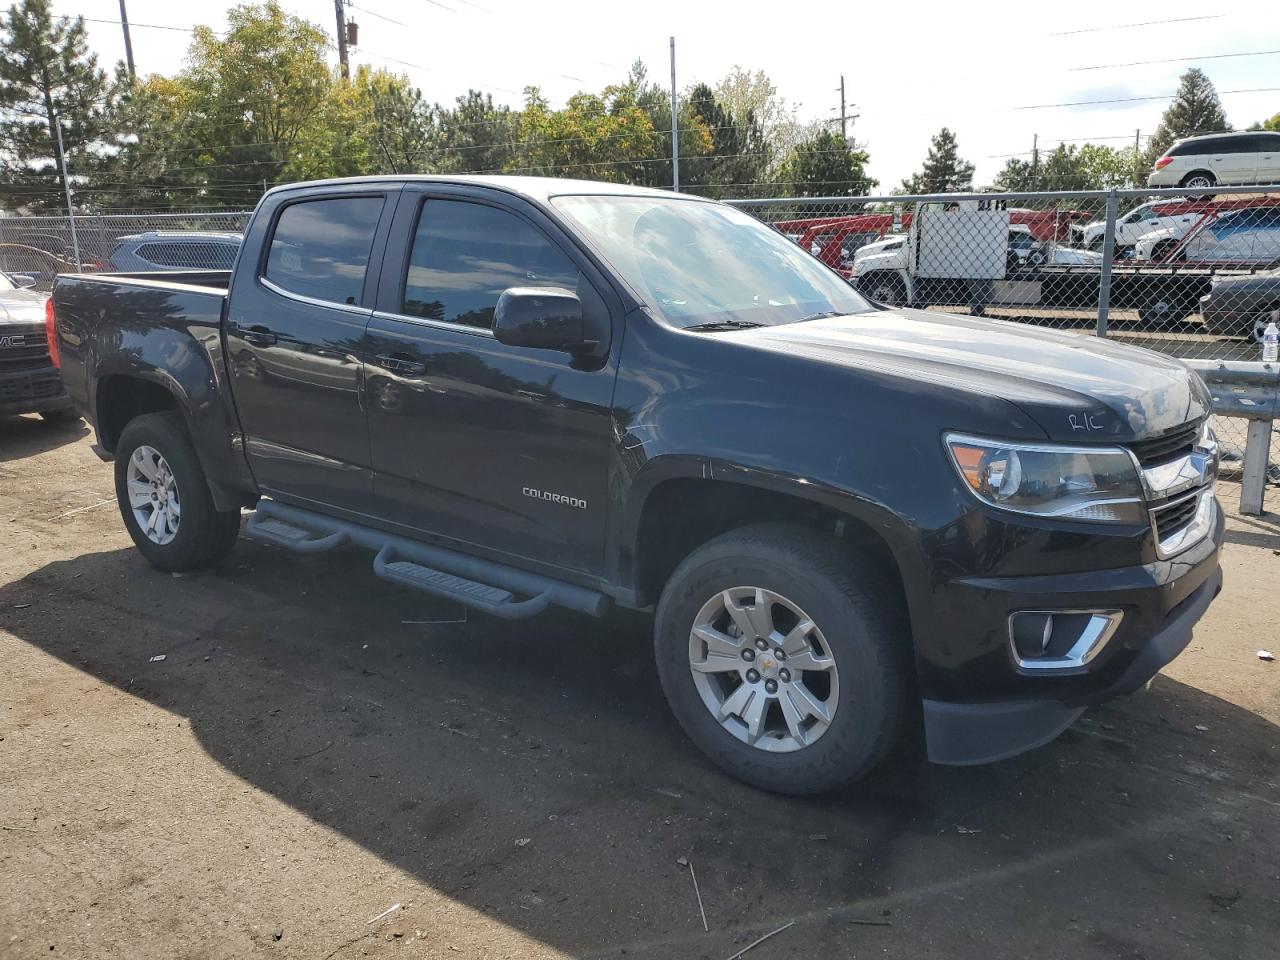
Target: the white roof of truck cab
pixel 539 189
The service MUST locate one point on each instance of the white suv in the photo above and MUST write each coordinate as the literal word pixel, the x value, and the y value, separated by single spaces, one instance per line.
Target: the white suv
pixel 1219 158
pixel 1156 215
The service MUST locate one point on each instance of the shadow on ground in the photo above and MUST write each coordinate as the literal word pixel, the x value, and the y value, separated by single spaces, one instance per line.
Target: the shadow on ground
pixel 26 436
pixel 437 745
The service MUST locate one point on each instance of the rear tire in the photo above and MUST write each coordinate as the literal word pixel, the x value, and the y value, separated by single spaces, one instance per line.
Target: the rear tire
pixel 1199 178
pixel 160 484
pixel 1160 311
pixel 859 644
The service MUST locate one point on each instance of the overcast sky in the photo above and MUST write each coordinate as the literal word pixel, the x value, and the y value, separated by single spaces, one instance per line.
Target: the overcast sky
pixel 994 72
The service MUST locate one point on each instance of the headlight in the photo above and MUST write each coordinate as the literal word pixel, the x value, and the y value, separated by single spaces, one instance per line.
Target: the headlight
pixel 1098 484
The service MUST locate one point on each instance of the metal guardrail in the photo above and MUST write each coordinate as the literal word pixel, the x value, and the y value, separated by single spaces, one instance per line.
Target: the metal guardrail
pixel 1249 391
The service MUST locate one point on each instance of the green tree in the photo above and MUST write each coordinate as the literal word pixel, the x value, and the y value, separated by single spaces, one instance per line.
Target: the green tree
pixel 825 165
pixel 1089 166
pixel 594 136
pixel 944 171
pixel 738 154
pixel 1272 123
pixel 47 73
pixel 652 168
pixel 744 93
pixel 476 136
pixel 256 107
pixel 406 127
pixel 1195 109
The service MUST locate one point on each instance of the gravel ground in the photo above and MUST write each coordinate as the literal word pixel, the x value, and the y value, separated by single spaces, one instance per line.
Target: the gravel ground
pixel 316 748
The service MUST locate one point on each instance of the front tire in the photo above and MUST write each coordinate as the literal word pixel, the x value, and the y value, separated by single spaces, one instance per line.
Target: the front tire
pixel 785 657
pixel 885 288
pixel 164 497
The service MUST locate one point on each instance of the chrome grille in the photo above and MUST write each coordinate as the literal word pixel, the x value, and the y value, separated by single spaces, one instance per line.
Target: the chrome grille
pixel 1174 443
pixel 1175 516
pixel 23 348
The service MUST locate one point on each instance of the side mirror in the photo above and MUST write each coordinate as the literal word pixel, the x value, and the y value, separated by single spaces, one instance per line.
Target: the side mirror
pixel 23 280
pixel 542 318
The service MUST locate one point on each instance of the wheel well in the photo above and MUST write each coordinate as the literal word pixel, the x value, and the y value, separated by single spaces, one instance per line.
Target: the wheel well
pixel 123 398
pixel 1198 173
pixel 682 514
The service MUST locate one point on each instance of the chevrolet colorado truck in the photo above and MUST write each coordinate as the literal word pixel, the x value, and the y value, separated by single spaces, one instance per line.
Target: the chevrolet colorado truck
pixel 848 519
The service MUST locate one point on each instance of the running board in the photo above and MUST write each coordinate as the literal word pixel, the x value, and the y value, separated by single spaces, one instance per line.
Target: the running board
pixel 480 584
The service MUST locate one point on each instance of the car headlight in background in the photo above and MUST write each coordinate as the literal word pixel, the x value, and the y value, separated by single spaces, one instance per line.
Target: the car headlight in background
pixel 1098 484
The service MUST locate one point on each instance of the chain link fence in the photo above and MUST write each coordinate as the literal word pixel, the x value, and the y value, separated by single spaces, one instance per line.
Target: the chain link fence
pixel 42 247
pixel 1185 272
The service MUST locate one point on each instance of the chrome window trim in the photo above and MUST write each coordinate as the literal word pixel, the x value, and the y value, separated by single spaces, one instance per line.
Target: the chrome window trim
pixel 435 324
pixel 1097 633
pixel 280 291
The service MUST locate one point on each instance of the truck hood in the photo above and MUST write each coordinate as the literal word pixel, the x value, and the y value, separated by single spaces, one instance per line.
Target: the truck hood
pixel 22 306
pixel 1077 387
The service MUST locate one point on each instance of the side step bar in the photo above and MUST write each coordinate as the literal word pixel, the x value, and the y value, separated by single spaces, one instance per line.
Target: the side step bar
pixel 480 584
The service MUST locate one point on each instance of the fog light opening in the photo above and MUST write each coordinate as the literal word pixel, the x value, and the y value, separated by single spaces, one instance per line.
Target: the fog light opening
pixel 1060 639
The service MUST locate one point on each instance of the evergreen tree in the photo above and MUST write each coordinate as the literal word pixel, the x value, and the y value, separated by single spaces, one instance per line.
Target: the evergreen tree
pixel 739 154
pixel 825 164
pixel 1195 109
pixel 477 136
pixel 47 73
pixel 944 171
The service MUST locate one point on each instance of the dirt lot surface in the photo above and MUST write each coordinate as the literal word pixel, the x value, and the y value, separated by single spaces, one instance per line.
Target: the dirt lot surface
pixel 316 747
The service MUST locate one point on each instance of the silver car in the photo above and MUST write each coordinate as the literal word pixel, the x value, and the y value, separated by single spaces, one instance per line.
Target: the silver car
pixel 1219 158
pixel 175 250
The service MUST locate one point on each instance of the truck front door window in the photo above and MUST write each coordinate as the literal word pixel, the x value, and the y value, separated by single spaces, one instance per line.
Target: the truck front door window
pixel 465 255
pixel 320 248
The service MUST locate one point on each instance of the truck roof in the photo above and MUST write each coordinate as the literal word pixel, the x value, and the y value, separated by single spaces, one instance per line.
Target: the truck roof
pixel 533 188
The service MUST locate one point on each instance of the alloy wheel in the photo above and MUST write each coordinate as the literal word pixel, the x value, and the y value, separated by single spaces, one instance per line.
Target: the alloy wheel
pixel 763 669
pixel 153 495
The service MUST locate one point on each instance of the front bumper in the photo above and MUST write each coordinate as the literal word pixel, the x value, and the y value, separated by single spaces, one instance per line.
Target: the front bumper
pixel 32 391
pixel 1161 600
pixel 970 733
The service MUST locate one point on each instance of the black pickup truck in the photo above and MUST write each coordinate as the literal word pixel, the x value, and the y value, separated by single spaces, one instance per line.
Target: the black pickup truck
pixel 525 392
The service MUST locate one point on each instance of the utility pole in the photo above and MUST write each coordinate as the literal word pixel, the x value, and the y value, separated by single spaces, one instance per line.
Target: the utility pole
pixel 128 42
pixel 1137 157
pixel 66 186
pixel 844 121
pixel 342 38
pixel 1035 159
pixel 675 127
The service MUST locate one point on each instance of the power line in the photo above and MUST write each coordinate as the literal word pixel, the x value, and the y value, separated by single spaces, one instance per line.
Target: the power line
pixel 151 26
pixel 1148 63
pixel 398 23
pixel 1129 26
pixel 1162 96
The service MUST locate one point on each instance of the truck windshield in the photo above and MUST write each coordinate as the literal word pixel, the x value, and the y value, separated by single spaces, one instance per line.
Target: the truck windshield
pixel 705 264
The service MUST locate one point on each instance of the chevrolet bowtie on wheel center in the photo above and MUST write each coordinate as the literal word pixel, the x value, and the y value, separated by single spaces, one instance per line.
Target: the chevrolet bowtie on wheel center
pixel 848 518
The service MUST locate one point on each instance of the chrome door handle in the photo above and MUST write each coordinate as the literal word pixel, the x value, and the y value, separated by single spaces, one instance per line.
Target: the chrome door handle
pixel 403 365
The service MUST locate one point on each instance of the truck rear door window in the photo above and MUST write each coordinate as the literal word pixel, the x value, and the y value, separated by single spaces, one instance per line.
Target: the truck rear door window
pixel 465 254
pixel 320 248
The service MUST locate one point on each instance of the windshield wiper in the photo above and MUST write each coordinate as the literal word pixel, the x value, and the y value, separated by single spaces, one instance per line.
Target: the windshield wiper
pixel 824 315
pixel 725 325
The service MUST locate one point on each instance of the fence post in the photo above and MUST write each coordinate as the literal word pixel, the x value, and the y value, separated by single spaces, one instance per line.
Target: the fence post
pixel 1108 255
pixel 1257 459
